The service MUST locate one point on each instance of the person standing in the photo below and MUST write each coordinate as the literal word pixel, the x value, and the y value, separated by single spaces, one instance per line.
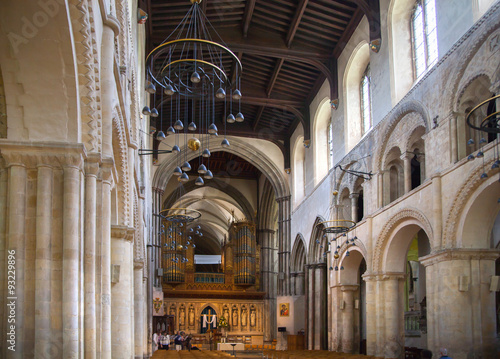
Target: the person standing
pixel 178 341
pixel 165 340
pixel 156 338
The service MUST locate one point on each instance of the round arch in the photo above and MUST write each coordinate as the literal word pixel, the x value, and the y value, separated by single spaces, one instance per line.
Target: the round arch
pixel 465 197
pixel 322 119
pixel 394 119
pixel 351 263
pixel 478 216
pixel 298 170
pixel 359 60
pixel 389 239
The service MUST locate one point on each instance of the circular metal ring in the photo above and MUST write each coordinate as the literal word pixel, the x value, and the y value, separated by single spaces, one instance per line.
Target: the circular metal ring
pixel 490 123
pixel 337 226
pixel 180 215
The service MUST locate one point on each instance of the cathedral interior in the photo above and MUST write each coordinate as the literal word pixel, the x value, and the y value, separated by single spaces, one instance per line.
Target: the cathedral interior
pixel 282 175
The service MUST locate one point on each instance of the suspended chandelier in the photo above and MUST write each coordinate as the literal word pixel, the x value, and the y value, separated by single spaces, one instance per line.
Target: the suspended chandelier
pixel 487 131
pixel 190 71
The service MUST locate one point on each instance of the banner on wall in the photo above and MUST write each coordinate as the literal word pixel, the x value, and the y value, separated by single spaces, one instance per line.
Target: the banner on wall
pixel 158 301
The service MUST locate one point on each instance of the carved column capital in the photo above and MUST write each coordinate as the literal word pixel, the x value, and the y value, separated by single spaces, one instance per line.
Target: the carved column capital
pixel 459 254
pixel 349 288
pixel 122 232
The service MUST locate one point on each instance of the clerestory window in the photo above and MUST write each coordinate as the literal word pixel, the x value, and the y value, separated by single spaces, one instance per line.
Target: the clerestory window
pixel 424 36
pixel 365 101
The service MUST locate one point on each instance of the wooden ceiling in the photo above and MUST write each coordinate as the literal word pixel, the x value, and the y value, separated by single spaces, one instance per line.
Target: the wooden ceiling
pixel 225 164
pixel 287 48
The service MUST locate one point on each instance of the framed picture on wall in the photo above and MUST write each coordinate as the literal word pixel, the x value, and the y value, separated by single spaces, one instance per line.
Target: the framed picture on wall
pixel 284 309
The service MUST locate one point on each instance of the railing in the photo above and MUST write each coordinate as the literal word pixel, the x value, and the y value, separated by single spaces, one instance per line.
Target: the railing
pixel 412 323
pixel 209 277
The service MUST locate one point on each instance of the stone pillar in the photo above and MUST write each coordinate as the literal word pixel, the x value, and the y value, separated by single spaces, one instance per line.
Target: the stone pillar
pixel 437 209
pixel 284 218
pixel 381 195
pixel 453 139
pixel 354 206
pixel 406 157
pixel 371 315
pixel 348 318
pixel 43 273
pixel 71 272
pixel 138 310
pixel 91 170
pixel 268 275
pixel 16 242
pixel 320 316
pixel 310 306
pixel 461 313
pixel 299 283
pixel 107 185
pixel 393 311
pixel 121 290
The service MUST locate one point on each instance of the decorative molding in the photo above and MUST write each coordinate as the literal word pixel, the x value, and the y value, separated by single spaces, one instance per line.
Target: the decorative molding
pixel 459 254
pixel 385 234
pixel 461 197
pixel 122 232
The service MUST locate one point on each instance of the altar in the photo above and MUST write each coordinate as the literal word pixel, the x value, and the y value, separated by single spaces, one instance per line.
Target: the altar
pixel 229 346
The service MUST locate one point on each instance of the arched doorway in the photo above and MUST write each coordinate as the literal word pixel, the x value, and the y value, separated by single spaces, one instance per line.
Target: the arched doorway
pixel 316 290
pixel 403 287
pixel 353 302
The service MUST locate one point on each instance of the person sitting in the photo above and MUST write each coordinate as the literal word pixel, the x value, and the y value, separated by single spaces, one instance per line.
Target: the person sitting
pixel 444 353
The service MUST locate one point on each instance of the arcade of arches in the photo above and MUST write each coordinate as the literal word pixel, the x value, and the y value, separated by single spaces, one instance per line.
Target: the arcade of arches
pixel 86 266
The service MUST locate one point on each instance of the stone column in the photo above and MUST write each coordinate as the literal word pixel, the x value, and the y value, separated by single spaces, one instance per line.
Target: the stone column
pixel 354 206
pixel 299 283
pixel 138 310
pixel 71 273
pixel 310 306
pixel 268 275
pixel 16 243
pixel 406 157
pixel 320 317
pixel 453 139
pixel 284 218
pixel 381 195
pixel 107 185
pixel 91 170
pixel 43 274
pixel 437 209
pixel 121 290
pixel 461 311
pixel 371 315
pixel 394 334
pixel 348 318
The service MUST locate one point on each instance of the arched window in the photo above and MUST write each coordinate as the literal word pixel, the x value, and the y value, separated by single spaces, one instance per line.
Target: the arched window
pixel 330 146
pixel 365 101
pixel 424 36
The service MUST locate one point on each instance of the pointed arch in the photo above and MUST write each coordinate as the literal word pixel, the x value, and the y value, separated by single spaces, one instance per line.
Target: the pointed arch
pixel 317 242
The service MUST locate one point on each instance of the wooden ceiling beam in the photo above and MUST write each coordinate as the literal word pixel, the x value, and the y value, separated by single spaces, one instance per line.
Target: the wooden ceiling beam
pixel 258 117
pixel 371 9
pixel 349 30
pixel 247 17
pixel 297 17
pixel 276 72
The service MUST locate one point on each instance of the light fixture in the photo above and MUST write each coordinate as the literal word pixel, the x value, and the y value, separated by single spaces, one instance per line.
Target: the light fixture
pixel 490 125
pixel 194 68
